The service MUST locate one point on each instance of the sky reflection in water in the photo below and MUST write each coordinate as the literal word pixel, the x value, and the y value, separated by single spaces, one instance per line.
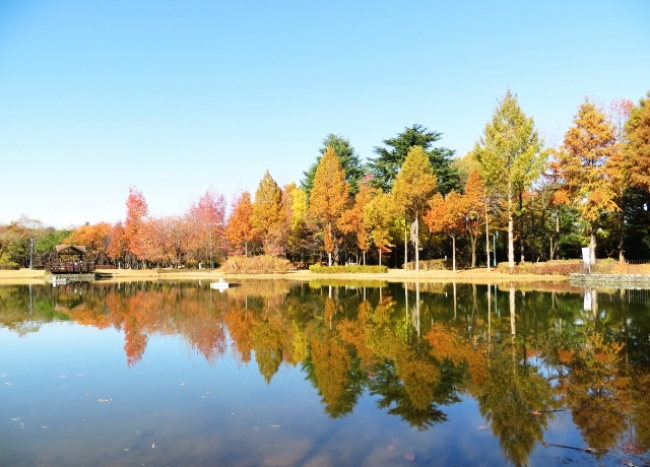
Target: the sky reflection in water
pixel 326 373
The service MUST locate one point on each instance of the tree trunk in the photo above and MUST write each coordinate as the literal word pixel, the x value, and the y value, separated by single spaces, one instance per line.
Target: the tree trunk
pixel 521 228
pixel 364 257
pixel 487 236
pixel 473 240
pixel 453 252
pixel 511 244
pixel 592 245
pixel 512 311
pixel 417 244
pixel 406 244
pixel 621 251
pixel 379 256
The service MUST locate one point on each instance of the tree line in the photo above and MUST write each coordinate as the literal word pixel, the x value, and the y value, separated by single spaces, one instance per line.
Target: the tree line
pixel 412 200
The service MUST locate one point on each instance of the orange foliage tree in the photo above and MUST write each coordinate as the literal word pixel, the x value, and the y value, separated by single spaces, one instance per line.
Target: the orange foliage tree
pixel 353 220
pixel 475 199
pixel 447 215
pixel 136 211
pixel 267 210
pixel 581 168
pixel 96 238
pixel 329 197
pixel 239 230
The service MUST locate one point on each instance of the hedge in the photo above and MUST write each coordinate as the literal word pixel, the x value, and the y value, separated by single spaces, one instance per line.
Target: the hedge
pixel 318 269
pixel 558 267
pixel 255 265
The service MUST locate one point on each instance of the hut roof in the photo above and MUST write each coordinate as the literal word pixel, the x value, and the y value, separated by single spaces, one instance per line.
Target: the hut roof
pixel 78 248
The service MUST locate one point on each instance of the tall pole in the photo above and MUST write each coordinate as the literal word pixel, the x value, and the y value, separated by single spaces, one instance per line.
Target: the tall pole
pixel 494 248
pixel 31 253
pixel 487 236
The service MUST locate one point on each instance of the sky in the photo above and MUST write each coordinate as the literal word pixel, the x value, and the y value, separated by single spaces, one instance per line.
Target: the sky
pixel 176 98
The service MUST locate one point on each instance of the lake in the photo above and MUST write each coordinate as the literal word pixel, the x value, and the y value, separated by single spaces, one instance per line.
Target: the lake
pixel 326 373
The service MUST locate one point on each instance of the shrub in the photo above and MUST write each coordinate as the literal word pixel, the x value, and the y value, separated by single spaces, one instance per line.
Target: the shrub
pixel 430 265
pixel 559 267
pixel 255 265
pixel 10 266
pixel 318 269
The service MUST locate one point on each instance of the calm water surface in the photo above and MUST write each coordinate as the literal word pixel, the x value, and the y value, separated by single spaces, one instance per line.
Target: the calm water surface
pixel 322 374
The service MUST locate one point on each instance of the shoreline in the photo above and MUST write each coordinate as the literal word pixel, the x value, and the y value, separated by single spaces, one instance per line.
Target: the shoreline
pixel 467 276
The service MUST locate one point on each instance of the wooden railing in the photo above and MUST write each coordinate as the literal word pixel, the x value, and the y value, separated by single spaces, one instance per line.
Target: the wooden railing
pixel 81 267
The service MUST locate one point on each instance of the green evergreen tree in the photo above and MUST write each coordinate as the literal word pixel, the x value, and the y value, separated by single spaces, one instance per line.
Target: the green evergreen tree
pixel 348 158
pixel 388 162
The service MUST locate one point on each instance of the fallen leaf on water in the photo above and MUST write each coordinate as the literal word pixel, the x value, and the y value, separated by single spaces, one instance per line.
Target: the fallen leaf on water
pixel 105 400
pixel 482 427
pixel 44 427
pixel 274 426
pixel 391 448
pixel 153 446
pixel 126 449
pixel 15 419
pixel 8 384
pixel 182 384
pixel 409 456
pixel 62 376
pixel 256 428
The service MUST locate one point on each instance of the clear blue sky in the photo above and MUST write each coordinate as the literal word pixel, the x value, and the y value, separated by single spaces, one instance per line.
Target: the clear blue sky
pixel 175 97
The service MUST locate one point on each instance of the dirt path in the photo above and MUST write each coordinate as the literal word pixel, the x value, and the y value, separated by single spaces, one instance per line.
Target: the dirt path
pixel 472 276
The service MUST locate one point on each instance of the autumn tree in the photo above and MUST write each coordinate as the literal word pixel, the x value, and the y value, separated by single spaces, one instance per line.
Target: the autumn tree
pixel 380 215
pixel 618 166
pixel 637 148
pixel 353 220
pixel 348 158
pixel 329 197
pixel 413 188
pixel 118 245
pixel 136 211
pixel 475 210
pixel 239 229
pixel 95 238
pixel 511 158
pixel 580 167
pixel 447 215
pixel 267 209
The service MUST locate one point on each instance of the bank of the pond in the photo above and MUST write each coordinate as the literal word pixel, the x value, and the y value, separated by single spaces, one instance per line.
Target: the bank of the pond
pixel 472 276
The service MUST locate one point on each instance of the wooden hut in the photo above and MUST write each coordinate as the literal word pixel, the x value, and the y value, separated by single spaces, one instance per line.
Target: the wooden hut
pixel 70 259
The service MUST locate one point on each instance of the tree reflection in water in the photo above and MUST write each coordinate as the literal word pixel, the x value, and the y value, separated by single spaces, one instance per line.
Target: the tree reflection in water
pixel 415 348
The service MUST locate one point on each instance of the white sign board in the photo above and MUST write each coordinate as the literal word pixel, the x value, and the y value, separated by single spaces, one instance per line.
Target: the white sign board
pixel 586 255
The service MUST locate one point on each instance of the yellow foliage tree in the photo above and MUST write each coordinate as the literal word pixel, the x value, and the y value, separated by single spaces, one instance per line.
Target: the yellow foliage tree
pixel 380 215
pixel 329 197
pixel 413 188
pixel 267 209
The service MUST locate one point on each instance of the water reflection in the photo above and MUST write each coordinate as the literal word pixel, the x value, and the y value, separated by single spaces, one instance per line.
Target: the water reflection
pixel 524 356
